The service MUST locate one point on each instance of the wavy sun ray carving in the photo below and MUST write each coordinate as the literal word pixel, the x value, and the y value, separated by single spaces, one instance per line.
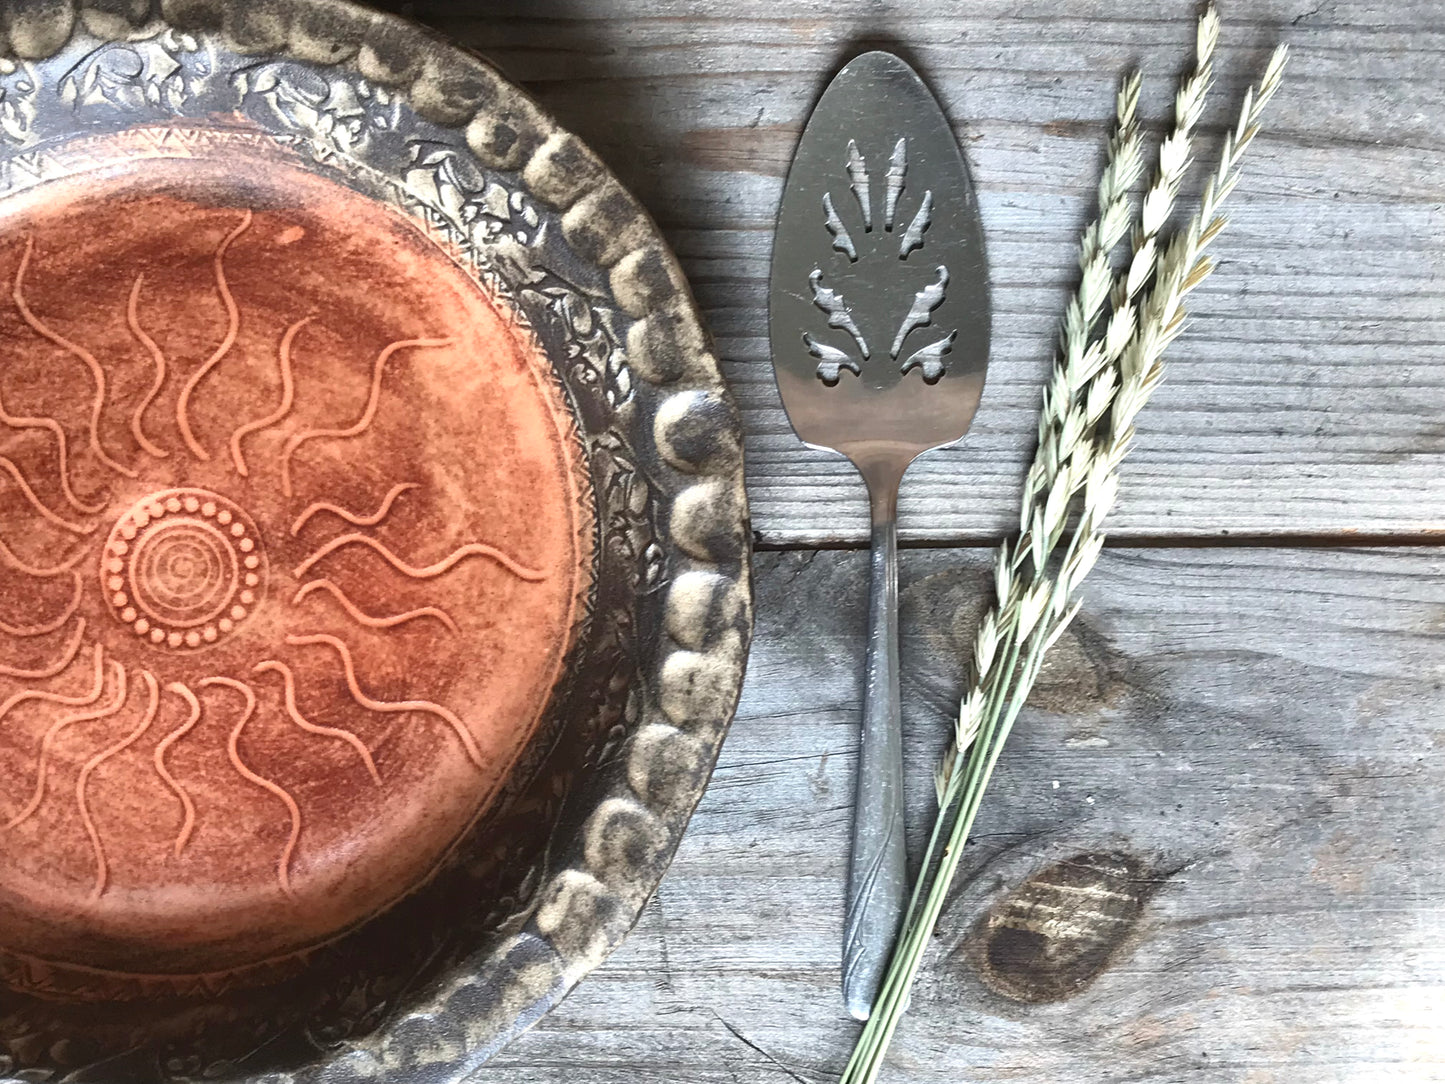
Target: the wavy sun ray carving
pixel 353 518
pixel 368 414
pixel 375 621
pixel 102 868
pixel 426 707
pixel 28 492
pixel 233 750
pixel 84 356
pixel 289 679
pixel 47 742
pixel 158 357
pixel 188 807
pixel 233 329
pixel 47 626
pixel 20 423
pixel 50 696
pixel 288 396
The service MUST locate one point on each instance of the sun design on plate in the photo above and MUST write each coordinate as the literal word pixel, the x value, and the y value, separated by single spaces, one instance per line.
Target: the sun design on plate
pixel 176 594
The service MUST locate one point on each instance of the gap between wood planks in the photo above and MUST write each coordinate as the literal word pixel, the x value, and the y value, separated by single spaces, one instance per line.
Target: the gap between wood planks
pixel 1284 540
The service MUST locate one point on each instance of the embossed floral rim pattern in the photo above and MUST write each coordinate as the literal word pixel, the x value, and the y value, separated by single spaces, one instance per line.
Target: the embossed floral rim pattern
pixel 383 106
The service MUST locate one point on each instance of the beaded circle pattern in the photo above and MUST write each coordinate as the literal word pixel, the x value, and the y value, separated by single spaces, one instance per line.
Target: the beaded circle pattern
pixel 183 568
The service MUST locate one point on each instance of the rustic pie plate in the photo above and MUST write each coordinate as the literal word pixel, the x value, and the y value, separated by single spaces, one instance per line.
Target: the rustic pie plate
pixel 373 548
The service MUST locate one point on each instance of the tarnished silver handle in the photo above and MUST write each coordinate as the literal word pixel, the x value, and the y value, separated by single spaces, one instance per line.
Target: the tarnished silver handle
pixel 878 871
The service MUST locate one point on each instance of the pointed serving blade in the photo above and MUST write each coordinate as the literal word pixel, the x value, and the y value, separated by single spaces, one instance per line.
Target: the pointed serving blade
pixel 879 317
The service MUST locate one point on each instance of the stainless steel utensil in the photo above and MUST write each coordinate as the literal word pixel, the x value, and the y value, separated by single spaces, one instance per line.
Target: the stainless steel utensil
pixel 880 327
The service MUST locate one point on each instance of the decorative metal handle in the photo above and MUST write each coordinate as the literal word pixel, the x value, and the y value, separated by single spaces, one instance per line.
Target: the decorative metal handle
pixel 878 871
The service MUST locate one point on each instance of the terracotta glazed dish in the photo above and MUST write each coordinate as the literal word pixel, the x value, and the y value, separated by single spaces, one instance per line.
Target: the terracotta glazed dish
pixel 373 552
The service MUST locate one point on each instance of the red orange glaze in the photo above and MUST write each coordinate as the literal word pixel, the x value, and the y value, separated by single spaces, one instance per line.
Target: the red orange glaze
pixel 293 535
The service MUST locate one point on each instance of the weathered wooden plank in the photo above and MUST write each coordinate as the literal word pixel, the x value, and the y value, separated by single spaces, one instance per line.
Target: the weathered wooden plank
pixel 1238 749
pixel 1244 741
pixel 1304 400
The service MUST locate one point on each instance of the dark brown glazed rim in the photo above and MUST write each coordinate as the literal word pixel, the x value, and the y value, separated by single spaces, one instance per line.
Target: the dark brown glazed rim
pixel 433 988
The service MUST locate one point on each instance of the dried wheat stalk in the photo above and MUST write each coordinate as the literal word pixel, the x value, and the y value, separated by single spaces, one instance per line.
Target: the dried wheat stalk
pixel 1109 364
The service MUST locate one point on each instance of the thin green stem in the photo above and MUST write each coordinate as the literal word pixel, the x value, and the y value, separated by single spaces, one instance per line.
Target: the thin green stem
pixel 954 785
pixel 919 927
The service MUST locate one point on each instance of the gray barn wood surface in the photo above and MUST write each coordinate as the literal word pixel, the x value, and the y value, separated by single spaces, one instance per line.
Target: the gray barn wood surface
pixel 1306 396
pixel 1214 848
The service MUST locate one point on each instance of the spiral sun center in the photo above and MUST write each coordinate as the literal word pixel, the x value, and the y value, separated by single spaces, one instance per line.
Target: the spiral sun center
pixel 183 568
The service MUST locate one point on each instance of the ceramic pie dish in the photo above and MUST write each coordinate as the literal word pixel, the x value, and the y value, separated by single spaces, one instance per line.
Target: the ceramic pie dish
pixel 373 548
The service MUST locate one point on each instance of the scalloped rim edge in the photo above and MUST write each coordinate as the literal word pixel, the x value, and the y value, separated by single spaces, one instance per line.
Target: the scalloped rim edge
pixel 585 910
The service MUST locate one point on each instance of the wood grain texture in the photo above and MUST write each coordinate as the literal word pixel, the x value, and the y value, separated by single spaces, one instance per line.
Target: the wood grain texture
pixel 1255 734
pixel 1305 398
pixel 1213 851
